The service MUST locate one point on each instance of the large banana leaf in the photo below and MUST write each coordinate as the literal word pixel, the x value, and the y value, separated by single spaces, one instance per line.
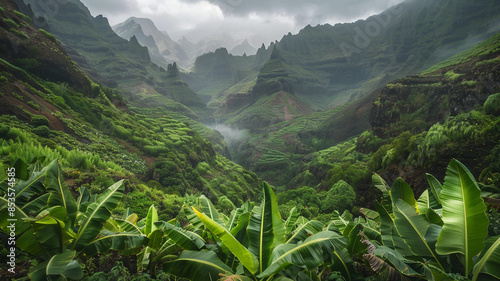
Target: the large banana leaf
pixel 150 219
pixel 310 253
pixel 371 229
pixel 464 215
pixel 417 231
pixel 290 221
pixel 208 208
pixel 395 271
pixel 343 263
pixel 124 236
pixel 195 265
pixel 355 246
pixel 185 239
pixel 246 257
pixel 60 193
pixel 233 218
pixel 382 185
pixel 341 221
pixel 93 220
pixel 489 260
pixel 51 231
pixel 26 189
pixel 265 229
pixel 304 231
pixel 59 266
pixel 401 190
pixel 389 234
pixel 435 188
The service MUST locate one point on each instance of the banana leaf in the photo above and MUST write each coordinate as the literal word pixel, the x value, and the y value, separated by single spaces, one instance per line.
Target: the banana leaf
pixel 233 218
pixel 290 221
pixel 208 208
pixel 93 220
pixel 305 230
pixel 435 187
pixel 26 189
pixel 185 239
pixel 489 260
pixel 341 221
pixel 310 253
pixel 401 190
pixel 121 241
pixel 60 193
pixel 265 229
pixel 237 249
pixel 59 266
pixel 371 229
pixel 464 215
pixel 343 263
pixel 417 231
pixel 150 219
pixel 197 265
pixel 389 234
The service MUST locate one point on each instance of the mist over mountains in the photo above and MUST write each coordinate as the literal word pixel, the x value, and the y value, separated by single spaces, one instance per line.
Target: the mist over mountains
pixel 163 50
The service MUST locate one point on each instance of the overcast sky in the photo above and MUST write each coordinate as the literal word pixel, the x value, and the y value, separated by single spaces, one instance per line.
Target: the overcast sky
pixel 262 21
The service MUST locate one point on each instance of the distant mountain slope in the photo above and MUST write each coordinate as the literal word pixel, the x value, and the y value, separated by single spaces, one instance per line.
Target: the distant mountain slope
pixel 330 66
pixel 349 61
pixel 161 46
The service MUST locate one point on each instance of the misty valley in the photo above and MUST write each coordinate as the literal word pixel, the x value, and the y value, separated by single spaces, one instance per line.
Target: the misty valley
pixel 362 150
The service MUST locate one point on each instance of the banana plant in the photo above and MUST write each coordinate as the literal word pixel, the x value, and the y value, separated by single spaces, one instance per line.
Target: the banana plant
pixel 264 252
pixel 57 229
pixel 446 220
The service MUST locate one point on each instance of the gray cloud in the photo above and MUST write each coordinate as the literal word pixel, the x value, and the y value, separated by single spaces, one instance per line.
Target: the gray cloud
pixel 304 12
pixel 269 19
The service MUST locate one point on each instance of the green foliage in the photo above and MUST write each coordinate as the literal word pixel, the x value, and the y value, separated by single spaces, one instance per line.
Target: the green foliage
pixel 492 104
pixel 59 246
pixel 19 33
pixel 49 35
pixel 33 105
pixel 42 131
pixel 452 75
pixel 340 197
pixel 23 16
pixel 39 120
pixel 11 23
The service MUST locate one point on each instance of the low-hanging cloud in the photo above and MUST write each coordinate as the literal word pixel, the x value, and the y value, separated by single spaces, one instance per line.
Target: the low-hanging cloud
pixel 304 12
pixel 270 19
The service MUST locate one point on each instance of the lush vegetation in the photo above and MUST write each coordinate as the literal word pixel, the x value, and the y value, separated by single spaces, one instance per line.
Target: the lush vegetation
pixel 117 176
pixel 441 235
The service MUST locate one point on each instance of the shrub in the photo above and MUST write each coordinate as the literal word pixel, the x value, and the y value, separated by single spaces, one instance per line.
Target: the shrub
pixel 33 105
pixel 122 132
pixel 39 120
pixel 23 16
pixel 492 105
pixel 49 35
pixel 11 23
pixel 42 131
pixel 19 33
pixel 340 197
